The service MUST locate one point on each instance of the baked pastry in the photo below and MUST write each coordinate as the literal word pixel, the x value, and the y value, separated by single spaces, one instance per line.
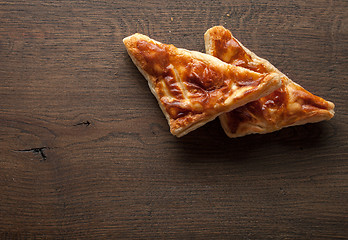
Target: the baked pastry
pixel 287 106
pixel 193 88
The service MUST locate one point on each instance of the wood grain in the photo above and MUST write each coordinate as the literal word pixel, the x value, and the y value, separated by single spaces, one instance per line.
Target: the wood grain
pixel 85 151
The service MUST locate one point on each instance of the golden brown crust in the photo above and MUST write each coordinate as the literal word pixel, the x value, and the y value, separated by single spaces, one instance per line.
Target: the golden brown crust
pixel 193 88
pixel 287 106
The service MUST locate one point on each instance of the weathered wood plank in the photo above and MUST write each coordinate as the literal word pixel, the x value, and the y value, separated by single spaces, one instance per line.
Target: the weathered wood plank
pixel 85 151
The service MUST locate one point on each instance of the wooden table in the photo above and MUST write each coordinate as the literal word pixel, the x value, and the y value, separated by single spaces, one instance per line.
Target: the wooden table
pixel 85 151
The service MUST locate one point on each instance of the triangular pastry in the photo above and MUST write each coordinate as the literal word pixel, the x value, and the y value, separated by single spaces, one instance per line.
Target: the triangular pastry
pixel 287 106
pixel 193 88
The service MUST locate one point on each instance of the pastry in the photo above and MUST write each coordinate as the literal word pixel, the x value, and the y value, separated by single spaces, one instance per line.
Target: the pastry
pixel 193 88
pixel 287 106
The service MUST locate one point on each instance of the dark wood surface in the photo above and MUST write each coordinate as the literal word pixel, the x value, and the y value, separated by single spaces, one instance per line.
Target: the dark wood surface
pixel 85 151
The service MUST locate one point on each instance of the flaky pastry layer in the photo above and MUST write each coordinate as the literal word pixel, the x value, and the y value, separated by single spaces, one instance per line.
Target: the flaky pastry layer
pixel 193 88
pixel 287 106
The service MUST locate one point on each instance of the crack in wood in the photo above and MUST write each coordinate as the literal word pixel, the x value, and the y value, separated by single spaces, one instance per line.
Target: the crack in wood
pixel 36 150
pixel 87 123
